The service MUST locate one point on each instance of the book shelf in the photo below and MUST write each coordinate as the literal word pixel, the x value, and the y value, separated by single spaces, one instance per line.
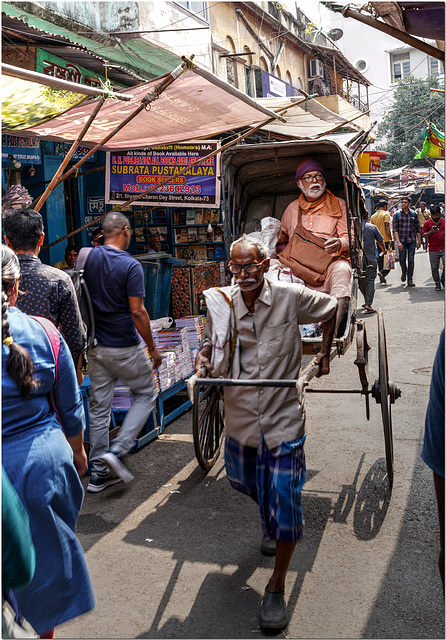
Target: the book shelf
pixel 197 234
pixel 148 222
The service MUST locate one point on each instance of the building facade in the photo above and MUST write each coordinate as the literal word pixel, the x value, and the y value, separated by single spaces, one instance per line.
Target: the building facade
pixel 382 59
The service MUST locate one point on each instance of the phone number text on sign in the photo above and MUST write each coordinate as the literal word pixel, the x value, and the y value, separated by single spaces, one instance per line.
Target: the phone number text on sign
pixel 133 172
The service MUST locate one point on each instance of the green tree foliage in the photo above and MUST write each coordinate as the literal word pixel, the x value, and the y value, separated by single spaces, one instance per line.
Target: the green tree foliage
pixel 403 126
pixel 29 108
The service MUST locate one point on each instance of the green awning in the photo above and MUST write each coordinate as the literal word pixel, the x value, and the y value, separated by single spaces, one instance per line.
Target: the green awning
pixel 151 59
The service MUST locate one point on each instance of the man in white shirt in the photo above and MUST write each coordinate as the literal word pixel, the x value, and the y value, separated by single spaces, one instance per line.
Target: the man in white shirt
pixel 264 452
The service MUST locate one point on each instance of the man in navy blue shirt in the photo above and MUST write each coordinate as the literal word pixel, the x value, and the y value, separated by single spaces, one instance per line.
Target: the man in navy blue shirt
pixel 115 282
pixel 371 237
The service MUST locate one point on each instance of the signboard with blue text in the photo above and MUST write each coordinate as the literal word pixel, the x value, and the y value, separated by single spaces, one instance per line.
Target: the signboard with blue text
pixel 131 172
pixel 268 86
pixel 24 149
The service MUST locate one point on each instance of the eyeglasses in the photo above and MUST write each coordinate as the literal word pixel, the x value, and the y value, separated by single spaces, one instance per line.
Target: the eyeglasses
pixel 247 268
pixel 318 177
pixel 127 227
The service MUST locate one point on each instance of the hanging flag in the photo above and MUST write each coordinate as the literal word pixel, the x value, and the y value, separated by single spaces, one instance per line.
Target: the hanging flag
pixel 433 146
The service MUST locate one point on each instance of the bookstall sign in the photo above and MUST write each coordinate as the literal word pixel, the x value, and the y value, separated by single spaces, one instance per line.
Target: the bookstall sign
pixel 26 150
pixel 130 172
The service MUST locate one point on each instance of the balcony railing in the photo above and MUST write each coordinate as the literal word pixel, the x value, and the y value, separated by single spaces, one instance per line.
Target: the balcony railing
pixel 353 100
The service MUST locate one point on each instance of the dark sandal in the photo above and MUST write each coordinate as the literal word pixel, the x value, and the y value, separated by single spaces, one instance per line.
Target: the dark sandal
pixel 273 611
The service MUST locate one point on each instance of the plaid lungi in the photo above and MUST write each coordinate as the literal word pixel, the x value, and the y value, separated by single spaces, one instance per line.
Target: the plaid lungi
pixel 274 479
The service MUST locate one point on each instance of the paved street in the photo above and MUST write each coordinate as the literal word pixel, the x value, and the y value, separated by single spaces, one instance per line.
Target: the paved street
pixel 169 555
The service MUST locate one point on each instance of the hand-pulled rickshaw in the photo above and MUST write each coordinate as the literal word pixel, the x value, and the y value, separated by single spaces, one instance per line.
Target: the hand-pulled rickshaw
pixel 258 180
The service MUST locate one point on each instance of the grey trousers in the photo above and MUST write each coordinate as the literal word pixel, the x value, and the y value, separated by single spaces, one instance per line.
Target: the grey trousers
pixel 434 259
pixel 107 365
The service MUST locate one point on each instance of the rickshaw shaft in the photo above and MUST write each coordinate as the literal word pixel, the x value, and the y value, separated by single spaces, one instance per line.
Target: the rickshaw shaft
pixel 225 382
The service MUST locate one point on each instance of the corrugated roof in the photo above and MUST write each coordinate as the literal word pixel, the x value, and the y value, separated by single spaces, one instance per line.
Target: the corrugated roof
pixel 137 56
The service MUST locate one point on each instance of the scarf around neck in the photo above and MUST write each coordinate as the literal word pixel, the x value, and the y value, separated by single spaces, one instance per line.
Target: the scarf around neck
pixel 331 205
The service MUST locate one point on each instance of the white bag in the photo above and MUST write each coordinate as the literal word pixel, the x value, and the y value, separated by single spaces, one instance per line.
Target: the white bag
pixel 270 233
pixel 160 323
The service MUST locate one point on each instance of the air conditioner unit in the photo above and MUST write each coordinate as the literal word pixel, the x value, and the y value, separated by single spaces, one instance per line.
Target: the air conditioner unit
pixel 316 69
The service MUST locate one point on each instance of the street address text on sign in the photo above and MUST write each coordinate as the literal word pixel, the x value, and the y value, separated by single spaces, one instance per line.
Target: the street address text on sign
pixel 132 172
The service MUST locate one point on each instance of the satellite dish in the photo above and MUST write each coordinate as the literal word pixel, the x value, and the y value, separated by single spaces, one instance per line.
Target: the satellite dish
pixel 335 34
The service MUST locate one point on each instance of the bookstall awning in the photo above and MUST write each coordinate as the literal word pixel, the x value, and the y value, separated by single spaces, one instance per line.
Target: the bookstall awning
pixel 196 105
pixel 300 122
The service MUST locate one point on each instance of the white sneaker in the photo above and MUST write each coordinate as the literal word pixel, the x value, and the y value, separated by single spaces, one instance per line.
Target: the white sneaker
pixel 115 463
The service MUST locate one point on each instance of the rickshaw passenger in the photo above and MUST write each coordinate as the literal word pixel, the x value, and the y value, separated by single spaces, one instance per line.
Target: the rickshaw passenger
pixel 265 427
pixel 325 215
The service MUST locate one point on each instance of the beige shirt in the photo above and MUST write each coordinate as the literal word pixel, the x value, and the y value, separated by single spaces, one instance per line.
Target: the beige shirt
pixel 271 348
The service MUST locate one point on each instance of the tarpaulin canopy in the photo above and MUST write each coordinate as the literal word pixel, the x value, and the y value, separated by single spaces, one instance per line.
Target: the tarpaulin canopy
pixel 423 19
pixel 433 146
pixel 196 105
pixel 300 123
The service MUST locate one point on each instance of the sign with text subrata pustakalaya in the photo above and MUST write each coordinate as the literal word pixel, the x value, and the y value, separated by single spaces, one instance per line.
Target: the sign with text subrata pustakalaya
pixel 132 172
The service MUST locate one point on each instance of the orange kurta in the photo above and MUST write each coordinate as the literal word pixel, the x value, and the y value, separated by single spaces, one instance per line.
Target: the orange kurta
pixel 338 281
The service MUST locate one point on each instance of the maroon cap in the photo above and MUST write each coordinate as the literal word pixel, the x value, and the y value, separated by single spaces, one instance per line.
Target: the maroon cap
pixel 309 164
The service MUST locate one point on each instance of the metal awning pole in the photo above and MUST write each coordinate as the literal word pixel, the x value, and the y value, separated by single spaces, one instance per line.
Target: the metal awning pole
pixel 66 160
pixel 386 28
pixel 428 162
pixel 58 83
pixel 159 184
pixel 341 125
pixel 150 97
pixel 335 75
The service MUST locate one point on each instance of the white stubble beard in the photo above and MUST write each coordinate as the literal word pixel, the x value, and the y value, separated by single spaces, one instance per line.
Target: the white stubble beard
pixel 315 190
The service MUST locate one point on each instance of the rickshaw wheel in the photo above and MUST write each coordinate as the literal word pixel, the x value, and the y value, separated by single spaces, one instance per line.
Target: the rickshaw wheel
pixel 384 395
pixel 362 361
pixel 208 424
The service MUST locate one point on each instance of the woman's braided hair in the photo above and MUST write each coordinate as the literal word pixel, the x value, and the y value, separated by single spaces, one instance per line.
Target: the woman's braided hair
pixel 19 364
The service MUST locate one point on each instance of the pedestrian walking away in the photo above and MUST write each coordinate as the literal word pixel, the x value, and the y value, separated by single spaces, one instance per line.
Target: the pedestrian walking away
pixel 407 234
pixel 433 232
pixel 44 290
pixel 264 445
pixel 381 219
pixel 43 454
pixel 115 281
pixel 371 238
pixel 423 215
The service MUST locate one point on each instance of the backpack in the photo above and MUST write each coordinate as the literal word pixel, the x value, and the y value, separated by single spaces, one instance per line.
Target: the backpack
pixel 83 295
pixel 398 213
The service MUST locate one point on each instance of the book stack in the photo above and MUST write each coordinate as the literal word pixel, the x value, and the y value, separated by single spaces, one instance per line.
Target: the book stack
pixel 195 327
pixel 166 370
pixel 172 339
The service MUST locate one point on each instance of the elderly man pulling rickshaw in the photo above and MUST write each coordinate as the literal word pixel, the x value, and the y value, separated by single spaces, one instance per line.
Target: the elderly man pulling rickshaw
pixel 252 332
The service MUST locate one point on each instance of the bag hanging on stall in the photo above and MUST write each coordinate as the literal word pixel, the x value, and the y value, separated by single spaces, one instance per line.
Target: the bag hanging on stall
pixel 306 257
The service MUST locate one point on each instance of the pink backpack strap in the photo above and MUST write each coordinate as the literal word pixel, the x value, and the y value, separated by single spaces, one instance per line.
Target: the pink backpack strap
pixel 53 336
